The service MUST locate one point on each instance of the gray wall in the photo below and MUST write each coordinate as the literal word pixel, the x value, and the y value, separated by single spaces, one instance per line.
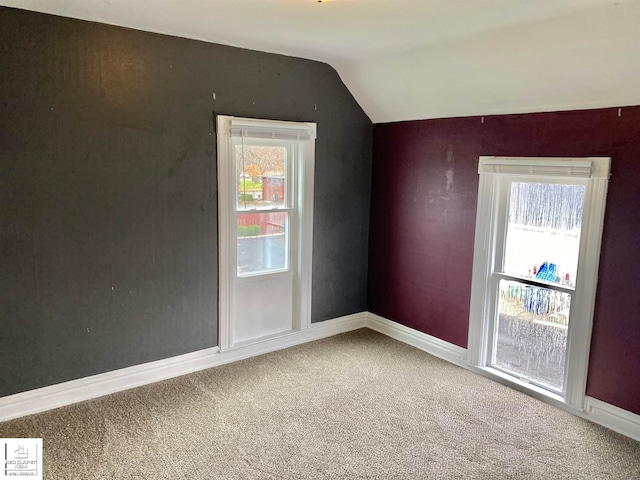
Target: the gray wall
pixel 108 213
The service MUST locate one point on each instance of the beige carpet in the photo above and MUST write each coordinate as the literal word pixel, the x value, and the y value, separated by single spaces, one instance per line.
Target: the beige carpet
pixel 359 405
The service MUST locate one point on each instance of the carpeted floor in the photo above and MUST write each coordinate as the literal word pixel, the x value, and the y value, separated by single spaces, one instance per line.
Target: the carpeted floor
pixel 358 405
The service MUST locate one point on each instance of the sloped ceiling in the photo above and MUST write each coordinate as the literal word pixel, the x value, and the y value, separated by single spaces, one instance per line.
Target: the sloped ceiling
pixel 417 59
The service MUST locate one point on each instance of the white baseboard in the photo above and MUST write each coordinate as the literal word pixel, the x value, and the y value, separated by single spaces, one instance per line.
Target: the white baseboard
pixel 316 331
pixel 615 418
pixel 54 396
pixel 432 345
pixel 597 411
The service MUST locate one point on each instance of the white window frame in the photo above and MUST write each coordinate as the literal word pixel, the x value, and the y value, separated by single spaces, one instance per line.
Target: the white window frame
pixel 496 174
pixel 304 135
pixel 293 150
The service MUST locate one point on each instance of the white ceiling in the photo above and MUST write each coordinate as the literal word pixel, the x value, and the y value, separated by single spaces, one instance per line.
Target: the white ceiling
pixel 415 59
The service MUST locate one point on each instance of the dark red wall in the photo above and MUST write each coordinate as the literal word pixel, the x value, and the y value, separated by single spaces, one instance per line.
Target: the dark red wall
pixel 423 207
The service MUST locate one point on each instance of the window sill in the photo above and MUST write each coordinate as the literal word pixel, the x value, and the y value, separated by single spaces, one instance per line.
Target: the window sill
pixel 528 388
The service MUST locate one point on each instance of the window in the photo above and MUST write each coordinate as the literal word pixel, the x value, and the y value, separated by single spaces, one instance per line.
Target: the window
pixel 264 202
pixel 537 246
pixel 265 226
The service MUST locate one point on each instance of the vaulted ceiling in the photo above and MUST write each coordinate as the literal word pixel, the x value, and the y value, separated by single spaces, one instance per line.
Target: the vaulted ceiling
pixel 416 59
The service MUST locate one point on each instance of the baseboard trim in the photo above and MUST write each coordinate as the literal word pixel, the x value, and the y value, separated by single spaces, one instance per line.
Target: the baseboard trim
pixel 54 396
pixel 597 411
pixel 612 417
pixel 66 393
pixel 59 395
pixel 432 345
pixel 316 331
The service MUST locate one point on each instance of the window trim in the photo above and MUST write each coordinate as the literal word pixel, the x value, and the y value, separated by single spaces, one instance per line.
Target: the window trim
pixel 288 133
pixel 494 172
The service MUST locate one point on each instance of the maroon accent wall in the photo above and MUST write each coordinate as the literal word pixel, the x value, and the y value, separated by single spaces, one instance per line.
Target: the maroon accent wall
pixel 423 207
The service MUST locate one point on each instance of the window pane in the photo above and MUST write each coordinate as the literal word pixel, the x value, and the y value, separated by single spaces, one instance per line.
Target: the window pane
pixel 261 176
pixel 543 231
pixel 262 242
pixel 531 333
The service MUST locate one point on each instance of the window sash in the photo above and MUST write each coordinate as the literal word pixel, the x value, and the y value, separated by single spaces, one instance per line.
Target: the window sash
pixel 293 149
pixel 535 282
pixel 271 271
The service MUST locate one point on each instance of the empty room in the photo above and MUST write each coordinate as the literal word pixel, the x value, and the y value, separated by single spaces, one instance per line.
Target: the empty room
pixel 290 239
